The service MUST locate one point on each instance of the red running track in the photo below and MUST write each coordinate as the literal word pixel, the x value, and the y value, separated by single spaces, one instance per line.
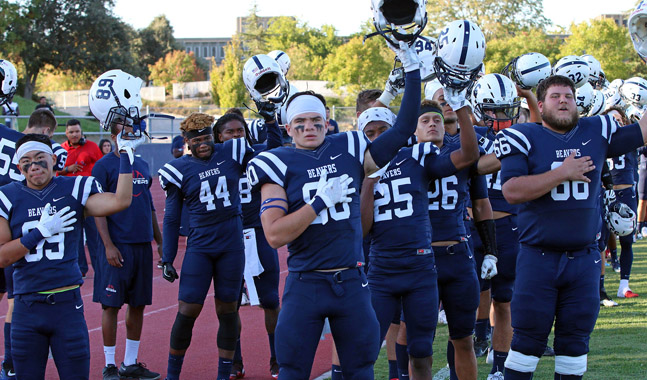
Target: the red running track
pixel 201 361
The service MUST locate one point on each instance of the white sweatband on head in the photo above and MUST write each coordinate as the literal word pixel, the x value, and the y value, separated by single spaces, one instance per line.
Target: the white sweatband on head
pixel 304 104
pixel 31 146
pixel 375 114
pixel 431 88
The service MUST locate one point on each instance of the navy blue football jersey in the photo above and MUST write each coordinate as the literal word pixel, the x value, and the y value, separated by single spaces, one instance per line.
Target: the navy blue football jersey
pixel 493 180
pixel 61 155
pixel 624 168
pixel 134 224
pixel 568 216
pixel 258 130
pixel 401 227
pixel 334 238
pixel 8 170
pixel 53 263
pixel 447 201
pixel 207 188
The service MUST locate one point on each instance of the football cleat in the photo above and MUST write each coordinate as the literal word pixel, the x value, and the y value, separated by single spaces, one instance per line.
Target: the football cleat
pixel 237 371
pixel 274 368
pixel 605 300
pixel 442 317
pixel 480 347
pixel 626 293
pixel 7 372
pixel 495 376
pixel 490 356
pixel 548 351
pixel 137 371
pixel 110 372
pixel 616 266
pixel 244 300
pixel 643 231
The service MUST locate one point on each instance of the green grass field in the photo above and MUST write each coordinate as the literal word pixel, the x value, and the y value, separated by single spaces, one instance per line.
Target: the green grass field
pixel 618 348
pixel 27 106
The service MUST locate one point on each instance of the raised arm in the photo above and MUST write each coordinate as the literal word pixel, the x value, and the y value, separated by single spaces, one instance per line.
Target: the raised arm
pixel 469 150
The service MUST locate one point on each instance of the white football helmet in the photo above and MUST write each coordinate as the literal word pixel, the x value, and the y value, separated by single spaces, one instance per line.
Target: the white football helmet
pixel 282 114
pixel 637 25
pixel 616 83
pixel 634 113
pixel 634 91
pixel 426 49
pixel 573 67
pixel 621 219
pixel 115 94
pixel 8 81
pixel 461 49
pixel 264 80
pixel 495 98
pixel 283 60
pixel 594 70
pixel 431 88
pixel 612 98
pixel 528 70
pixel 597 105
pixel 584 99
pixel 399 20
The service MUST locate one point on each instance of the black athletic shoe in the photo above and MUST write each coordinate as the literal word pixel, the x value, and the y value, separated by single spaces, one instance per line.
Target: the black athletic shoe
pixel 616 266
pixel 548 351
pixel 111 372
pixel 274 368
pixel 480 347
pixel 137 371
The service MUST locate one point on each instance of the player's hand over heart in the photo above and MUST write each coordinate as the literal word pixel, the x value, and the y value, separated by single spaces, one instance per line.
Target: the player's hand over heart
pixel 574 168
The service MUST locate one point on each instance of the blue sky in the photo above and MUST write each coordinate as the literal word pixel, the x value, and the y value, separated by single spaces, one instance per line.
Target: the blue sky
pixel 199 18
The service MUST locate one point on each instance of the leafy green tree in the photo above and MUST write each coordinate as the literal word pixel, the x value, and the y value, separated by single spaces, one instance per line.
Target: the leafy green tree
pixel 176 67
pixel 495 17
pixel 254 36
pixel 500 51
pixel 356 66
pixel 79 35
pixel 227 87
pixel 153 43
pixel 607 42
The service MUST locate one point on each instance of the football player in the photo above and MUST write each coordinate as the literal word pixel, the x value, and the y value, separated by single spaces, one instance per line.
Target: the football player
pixel 207 181
pixel 402 269
pixel 125 263
pixel 264 283
pixel 309 203
pixel 8 174
pixel 553 173
pixel 623 169
pixel 39 235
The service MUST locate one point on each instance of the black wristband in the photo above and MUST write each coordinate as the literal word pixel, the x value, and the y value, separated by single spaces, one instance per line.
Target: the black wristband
pixel 487 233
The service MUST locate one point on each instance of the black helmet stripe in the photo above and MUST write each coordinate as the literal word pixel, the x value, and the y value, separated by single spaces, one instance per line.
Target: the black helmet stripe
pixel 258 63
pixel 526 71
pixel 466 42
pixel 501 84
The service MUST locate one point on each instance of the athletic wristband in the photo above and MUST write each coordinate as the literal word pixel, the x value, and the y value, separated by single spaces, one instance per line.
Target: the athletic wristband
pixel 269 200
pixel 487 233
pixel 318 204
pixel 265 208
pixel 125 167
pixel 31 240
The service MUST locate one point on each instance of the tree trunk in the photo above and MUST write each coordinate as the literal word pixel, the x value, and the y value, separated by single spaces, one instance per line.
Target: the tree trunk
pixel 30 84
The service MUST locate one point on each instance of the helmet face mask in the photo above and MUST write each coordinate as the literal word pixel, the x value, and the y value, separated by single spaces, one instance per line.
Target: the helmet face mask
pixel 264 80
pixel 453 78
pixel 399 20
pixel 8 81
pixel 621 219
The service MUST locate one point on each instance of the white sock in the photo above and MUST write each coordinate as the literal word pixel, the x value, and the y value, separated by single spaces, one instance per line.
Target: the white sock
pixel 109 352
pixel 132 349
pixel 624 284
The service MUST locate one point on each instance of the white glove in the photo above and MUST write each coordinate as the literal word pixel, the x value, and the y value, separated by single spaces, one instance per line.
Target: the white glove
pixel 394 86
pixel 609 197
pixel 50 225
pixel 334 190
pixel 129 145
pixel 488 268
pixel 455 99
pixel 407 55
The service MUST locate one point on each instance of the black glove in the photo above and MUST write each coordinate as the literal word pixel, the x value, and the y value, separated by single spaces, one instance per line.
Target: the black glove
pixel 168 272
pixel 267 110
